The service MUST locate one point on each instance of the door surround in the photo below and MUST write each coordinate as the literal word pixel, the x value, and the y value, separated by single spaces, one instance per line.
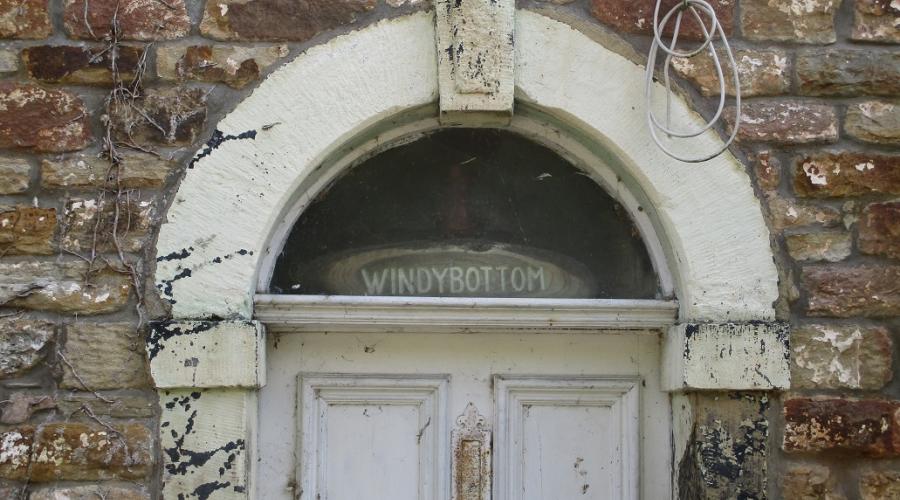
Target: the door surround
pixel 209 360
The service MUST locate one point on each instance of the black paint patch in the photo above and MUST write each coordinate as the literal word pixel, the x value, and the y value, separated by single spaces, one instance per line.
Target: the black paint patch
pixel 217 139
pixel 228 256
pixel 165 286
pixel 179 255
pixel 161 331
pixel 205 490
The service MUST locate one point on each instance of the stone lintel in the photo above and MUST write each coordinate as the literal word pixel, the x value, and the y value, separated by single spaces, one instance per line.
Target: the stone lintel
pixel 727 356
pixel 207 354
pixel 475 49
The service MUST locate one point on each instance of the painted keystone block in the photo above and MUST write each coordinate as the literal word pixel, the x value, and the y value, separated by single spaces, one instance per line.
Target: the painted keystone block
pixel 205 440
pixel 206 354
pixel 476 50
pixel 727 356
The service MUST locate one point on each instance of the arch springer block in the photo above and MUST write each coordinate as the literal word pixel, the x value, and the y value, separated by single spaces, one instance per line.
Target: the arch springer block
pixel 207 354
pixel 747 356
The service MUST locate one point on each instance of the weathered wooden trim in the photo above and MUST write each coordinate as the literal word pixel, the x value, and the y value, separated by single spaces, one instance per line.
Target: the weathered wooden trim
pixel 207 354
pixel 727 356
pixel 459 315
pixel 475 54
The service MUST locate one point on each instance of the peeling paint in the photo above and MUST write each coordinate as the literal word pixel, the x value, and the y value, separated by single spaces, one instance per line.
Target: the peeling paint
pixel 218 138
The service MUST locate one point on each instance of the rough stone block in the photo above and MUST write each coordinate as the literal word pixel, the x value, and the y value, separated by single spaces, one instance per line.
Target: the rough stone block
pixel 761 72
pixel 767 168
pixel 90 492
pixel 278 20
pixel 82 452
pixel 170 116
pixel 841 357
pixel 130 220
pixel 831 246
pixel 844 291
pixel 136 170
pixel 63 287
pixel 790 214
pixel 15 452
pixel 105 356
pixel 9 61
pixel 40 119
pixel 876 21
pixel 232 65
pixel 846 174
pixel 848 72
pixel 27 231
pixel 636 16
pixel 10 490
pixel 728 356
pixel 80 65
pixel 131 404
pixel 785 123
pixel 20 406
pixel 76 452
pixel 15 175
pixel 23 344
pixel 138 19
pixel 809 21
pixel 24 19
pixel 880 485
pixel 207 354
pixel 879 230
pixel 808 482
pixel 874 121
pixel 205 442
pixel 867 427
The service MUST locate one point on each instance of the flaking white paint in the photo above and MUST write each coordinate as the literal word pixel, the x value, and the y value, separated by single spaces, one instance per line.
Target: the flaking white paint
pixel 206 437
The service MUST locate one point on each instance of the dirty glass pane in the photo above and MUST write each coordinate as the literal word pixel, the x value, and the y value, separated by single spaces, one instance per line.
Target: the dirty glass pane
pixel 466 212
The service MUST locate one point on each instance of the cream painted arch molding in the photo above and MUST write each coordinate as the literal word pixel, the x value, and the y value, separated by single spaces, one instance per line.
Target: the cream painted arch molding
pixel 209 359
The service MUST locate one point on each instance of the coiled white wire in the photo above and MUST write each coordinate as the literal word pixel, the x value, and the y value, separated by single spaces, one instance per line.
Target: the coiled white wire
pixel 671 52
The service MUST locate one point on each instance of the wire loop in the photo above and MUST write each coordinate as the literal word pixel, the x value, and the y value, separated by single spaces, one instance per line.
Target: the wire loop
pixel 695 7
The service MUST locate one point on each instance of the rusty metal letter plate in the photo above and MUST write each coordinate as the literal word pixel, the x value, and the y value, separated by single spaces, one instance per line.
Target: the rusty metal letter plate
pixel 471 445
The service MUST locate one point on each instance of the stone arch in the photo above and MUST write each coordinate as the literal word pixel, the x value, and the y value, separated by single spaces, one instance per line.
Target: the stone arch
pixel 238 189
pixel 717 240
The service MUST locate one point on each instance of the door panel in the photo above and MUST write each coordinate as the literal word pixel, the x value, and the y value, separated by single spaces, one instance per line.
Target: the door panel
pixel 560 438
pixel 372 437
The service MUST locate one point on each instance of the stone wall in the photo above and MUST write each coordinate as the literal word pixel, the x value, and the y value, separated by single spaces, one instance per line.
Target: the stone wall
pixel 104 102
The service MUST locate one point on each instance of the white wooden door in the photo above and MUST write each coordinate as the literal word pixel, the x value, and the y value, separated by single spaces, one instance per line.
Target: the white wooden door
pixel 417 417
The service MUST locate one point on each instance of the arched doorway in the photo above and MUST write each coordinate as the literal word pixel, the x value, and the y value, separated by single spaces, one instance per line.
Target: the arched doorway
pixel 242 195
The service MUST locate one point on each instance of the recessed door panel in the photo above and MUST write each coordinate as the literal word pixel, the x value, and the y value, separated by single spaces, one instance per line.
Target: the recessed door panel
pixel 566 437
pixel 366 436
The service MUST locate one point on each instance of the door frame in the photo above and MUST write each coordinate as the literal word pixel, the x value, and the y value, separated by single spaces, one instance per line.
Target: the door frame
pixel 208 360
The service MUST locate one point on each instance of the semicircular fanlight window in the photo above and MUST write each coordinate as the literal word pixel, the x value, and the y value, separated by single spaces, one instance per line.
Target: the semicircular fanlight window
pixel 466 213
